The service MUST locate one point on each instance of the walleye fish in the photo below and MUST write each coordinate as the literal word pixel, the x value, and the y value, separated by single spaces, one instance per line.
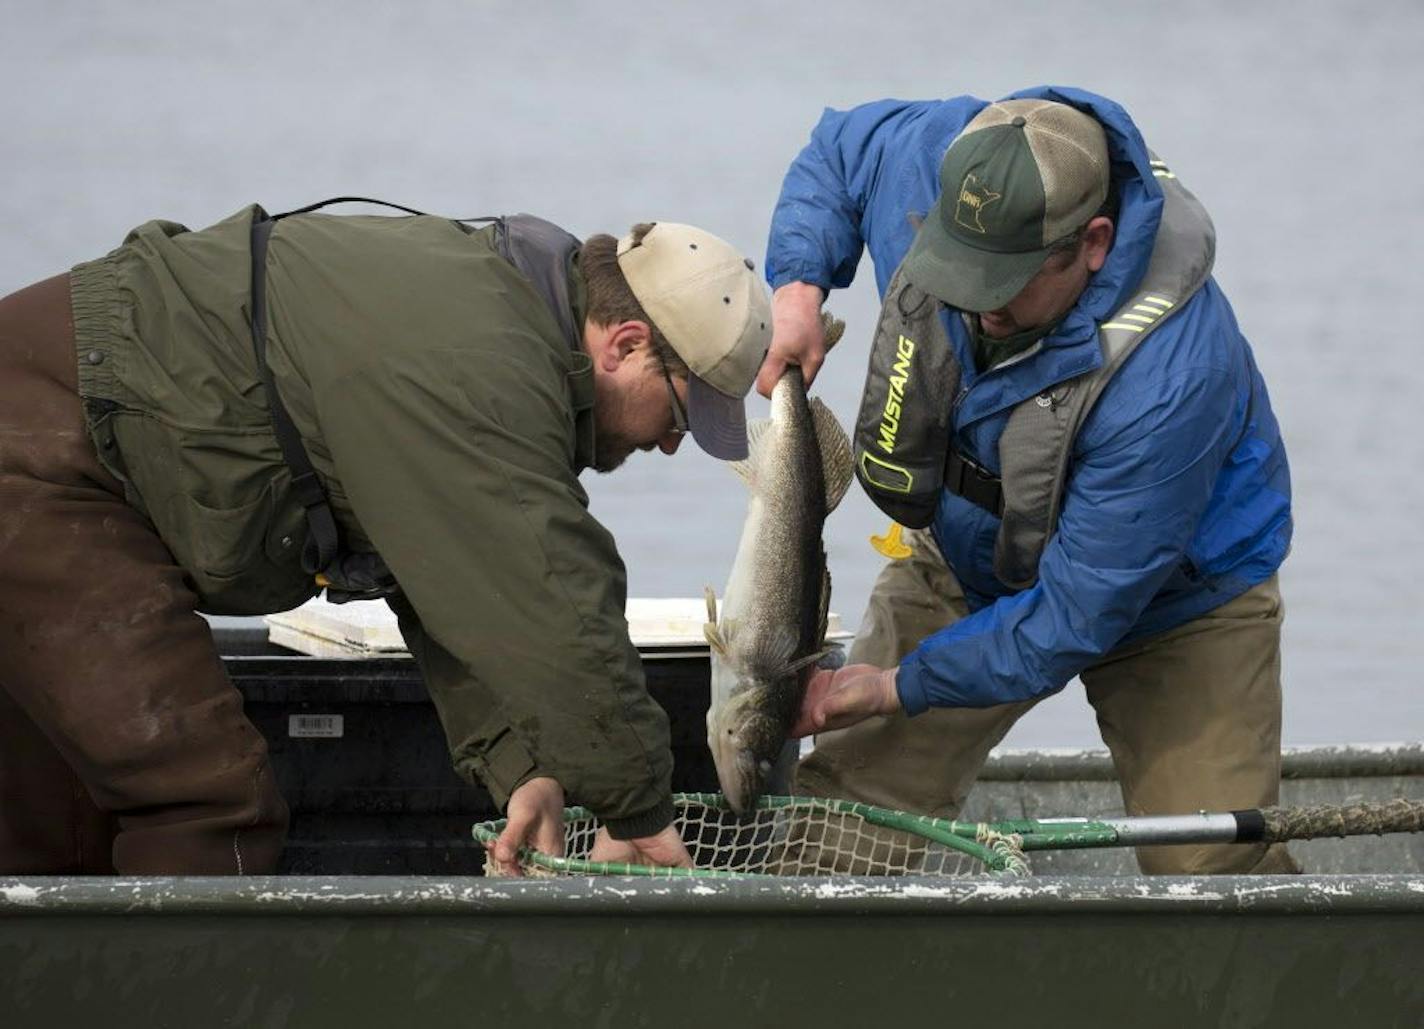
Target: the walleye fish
pixel 772 622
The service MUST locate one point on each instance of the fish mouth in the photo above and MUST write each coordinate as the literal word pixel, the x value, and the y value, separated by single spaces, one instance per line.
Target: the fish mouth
pixel 743 779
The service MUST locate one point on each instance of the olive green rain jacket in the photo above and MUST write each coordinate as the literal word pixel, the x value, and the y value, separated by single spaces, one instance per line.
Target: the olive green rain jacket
pixel 448 419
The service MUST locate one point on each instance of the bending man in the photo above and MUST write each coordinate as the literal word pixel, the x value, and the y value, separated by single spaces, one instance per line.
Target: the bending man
pixel 222 420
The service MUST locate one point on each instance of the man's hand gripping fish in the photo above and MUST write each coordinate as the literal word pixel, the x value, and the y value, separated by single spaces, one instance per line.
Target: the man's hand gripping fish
pixel 772 624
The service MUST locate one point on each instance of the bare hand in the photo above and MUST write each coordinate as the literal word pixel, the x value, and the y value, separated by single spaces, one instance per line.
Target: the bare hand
pixel 663 848
pixel 798 335
pixel 536 818
pixel 836 698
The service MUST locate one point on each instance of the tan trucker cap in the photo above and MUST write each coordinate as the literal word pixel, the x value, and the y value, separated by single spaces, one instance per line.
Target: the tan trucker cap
pixel 713 309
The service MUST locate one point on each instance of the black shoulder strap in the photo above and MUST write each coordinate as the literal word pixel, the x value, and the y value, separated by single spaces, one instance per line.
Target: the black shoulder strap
pixel 378 203
pixel 324 540
pixel 537 248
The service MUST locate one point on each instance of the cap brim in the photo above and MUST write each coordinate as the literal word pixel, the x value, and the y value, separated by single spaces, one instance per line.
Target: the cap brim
pixel 963 276
pixel 717 422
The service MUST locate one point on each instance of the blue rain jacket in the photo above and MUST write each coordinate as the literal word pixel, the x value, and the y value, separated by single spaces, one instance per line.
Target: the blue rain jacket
pixel 1178 498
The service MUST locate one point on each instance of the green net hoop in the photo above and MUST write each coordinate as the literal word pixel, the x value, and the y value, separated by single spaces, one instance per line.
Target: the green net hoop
pixel 788 836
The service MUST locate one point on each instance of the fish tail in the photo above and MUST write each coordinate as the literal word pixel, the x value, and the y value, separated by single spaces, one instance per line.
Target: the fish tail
pixel 833 328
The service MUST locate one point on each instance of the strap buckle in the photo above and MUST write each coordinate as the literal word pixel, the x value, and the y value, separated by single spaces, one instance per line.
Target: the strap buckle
pixel 973 482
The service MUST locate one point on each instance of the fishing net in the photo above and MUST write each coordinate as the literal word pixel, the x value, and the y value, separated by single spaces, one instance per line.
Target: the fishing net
pixel 788 836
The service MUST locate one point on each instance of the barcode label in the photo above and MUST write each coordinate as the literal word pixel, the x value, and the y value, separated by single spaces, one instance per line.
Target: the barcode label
pixel 327 727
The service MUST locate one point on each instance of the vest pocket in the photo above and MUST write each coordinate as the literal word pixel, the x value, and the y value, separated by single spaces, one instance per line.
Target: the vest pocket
pixel 221 541
pixel 213 499
pixel 242 559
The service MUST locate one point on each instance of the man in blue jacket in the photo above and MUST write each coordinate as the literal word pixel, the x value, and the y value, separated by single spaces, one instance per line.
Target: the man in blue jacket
pixel 1059 394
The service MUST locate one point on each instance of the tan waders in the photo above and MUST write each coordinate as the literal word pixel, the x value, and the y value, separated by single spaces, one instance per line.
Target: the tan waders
pixel 1192 717
pixel 123 746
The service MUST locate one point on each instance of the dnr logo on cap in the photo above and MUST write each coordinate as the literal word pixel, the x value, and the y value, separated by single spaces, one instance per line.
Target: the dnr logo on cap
pixel 973 198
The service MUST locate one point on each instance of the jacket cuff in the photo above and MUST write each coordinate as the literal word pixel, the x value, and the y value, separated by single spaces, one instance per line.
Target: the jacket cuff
pixel 504 767
pixel 645 823
pixel 910 689
pixel 807 275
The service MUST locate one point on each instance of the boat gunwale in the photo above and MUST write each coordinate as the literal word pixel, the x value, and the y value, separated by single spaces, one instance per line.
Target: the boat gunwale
pixel 424 896
pixel 1317 761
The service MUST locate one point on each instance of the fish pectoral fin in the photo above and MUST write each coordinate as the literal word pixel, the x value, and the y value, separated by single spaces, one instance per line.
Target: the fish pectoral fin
pixel 771 647
pixel 715 635
pixel 804 662
pixel 719 636
pixel 714 638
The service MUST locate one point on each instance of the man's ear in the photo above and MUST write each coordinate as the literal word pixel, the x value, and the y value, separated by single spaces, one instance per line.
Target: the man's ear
pixel 1097 241
pixel 622 341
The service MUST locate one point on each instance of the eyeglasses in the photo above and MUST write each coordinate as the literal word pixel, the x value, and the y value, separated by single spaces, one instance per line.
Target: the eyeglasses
pixel 679 413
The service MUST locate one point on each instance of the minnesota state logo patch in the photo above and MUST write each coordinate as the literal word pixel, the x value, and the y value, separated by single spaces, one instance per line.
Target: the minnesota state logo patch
pixel 973 198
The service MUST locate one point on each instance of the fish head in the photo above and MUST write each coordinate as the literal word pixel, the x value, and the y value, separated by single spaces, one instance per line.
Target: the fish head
pixel 746 737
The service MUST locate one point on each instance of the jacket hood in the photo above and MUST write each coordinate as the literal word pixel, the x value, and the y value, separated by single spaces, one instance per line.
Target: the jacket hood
pixel 1140 195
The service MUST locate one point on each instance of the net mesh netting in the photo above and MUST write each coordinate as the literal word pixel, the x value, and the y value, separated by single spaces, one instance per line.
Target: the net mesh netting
pixel 786 836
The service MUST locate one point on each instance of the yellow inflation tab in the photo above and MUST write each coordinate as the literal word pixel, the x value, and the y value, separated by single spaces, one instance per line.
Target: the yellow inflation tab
pixel 891 545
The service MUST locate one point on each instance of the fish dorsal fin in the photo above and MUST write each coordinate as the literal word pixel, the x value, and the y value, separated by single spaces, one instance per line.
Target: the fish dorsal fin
pixel 758 429
pixel 837 464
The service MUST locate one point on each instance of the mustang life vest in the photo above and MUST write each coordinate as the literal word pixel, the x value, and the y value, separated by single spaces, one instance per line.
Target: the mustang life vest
pixel 904 450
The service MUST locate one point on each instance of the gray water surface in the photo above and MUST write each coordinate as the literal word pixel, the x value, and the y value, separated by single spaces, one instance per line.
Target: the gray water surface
pixel 1296 123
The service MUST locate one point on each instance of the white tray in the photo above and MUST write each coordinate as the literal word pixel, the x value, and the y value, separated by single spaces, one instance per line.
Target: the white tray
pixel 659 626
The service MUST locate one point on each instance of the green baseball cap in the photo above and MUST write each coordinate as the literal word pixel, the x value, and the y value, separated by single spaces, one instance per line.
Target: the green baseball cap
pixel 1022 175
